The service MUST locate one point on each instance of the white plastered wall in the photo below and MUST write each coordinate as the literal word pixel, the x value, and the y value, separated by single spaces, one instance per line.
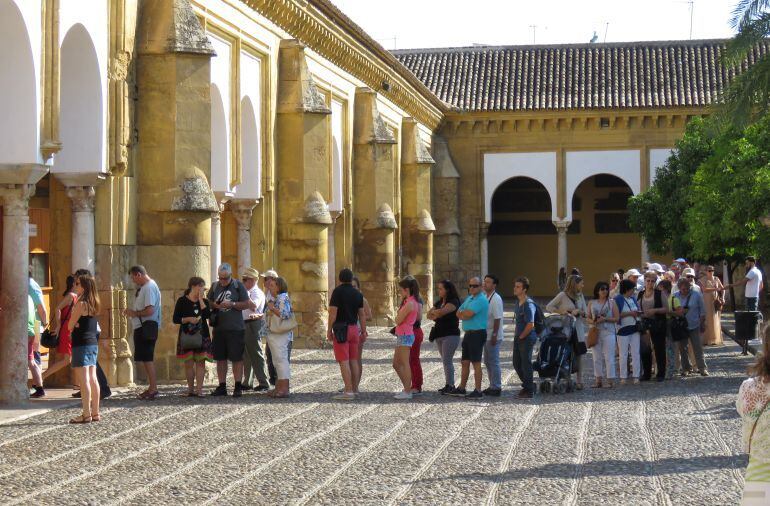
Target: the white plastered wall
pixel 250 186
pixel 338 143
pixel 658 159
pixel 20 61
pixel 500 167
pixel 624 164
pixel 221 107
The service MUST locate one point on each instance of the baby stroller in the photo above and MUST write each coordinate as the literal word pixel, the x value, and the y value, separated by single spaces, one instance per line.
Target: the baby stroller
pixel 554 363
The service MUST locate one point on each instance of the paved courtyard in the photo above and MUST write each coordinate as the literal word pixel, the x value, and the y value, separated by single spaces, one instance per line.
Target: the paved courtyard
pixel 661 443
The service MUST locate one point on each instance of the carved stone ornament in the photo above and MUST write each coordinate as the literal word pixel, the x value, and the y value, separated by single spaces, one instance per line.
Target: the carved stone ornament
pixel 196 194
pixel 83 198
pixel 316 210
pixel 386 218
pixel 425 222
pixel 15 199
pixel 171 26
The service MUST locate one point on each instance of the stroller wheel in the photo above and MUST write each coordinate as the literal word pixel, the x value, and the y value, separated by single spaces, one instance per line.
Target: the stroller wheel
pixel 545 387
pixel 563 386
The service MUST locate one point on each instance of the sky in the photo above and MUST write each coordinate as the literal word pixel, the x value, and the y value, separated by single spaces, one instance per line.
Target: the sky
pixel 404 24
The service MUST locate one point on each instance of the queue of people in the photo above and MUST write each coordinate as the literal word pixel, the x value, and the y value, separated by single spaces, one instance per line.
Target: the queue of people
pixel 249 330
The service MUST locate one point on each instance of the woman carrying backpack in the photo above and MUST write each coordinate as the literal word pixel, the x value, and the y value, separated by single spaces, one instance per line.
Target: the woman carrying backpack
pixel 628 331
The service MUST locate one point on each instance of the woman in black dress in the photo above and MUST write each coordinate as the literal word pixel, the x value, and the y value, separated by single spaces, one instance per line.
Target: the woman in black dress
pixel 193 345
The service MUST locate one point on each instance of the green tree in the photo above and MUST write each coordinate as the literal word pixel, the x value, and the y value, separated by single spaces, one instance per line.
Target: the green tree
pixel 748 96
pixel 658 213
pixel 730 191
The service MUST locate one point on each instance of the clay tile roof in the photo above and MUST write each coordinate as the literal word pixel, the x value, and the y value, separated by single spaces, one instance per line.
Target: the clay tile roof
pixel 576 76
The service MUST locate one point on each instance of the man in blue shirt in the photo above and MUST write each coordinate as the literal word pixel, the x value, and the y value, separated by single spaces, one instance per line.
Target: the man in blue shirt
pixel 525 337
pixel 693 309
pixel 473 313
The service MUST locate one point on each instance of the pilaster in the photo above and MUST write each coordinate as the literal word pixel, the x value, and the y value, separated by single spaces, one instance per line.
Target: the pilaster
pixel 173 163
pixel 373 193
pixel 418 227
pixel 446 210
pixel 302 177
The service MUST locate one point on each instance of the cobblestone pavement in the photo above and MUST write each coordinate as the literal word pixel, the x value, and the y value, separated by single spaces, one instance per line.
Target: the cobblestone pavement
pixel 659 443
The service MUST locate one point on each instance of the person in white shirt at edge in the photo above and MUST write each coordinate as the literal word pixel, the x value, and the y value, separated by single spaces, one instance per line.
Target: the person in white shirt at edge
pixel 753 282
pixel 494 336
pixel 254 364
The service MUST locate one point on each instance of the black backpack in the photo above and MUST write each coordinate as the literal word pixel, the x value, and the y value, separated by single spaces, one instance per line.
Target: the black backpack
pixel 539 317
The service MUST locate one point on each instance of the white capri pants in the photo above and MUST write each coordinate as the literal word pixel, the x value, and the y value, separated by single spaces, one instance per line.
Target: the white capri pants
pixel 279 350
pixel 626 345
pixel 604 355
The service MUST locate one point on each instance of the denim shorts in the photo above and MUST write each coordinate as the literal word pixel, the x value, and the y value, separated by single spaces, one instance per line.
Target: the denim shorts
pixel 84 356
pixel 407 340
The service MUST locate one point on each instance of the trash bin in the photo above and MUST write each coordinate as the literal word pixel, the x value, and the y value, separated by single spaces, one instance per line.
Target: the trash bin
pixel 747 325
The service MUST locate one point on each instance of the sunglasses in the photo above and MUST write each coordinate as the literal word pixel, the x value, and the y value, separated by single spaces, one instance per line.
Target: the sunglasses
pixel 473 286
pixel 710 270
pixel 603 289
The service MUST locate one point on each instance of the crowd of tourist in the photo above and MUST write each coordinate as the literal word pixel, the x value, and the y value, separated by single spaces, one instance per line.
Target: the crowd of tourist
pixel 638 325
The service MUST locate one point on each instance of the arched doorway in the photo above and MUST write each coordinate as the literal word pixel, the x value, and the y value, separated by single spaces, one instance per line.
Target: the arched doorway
pixel 18 100
pixel 522 238
pixel 603 241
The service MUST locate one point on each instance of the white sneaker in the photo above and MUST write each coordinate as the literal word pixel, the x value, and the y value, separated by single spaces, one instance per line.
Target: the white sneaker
pixel 403 396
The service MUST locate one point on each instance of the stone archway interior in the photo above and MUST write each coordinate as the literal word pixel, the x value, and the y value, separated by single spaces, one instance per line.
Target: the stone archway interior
pixel 600 240
pixel 18 100
pixel 522 239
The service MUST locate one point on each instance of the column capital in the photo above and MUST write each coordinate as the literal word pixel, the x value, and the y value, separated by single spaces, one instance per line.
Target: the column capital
pixel 562 225
pixel 15 198
pixel 83 198
pixel 242 211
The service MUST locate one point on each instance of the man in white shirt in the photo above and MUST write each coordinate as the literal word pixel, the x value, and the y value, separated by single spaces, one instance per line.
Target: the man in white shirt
pixel 753 282
pixel 494 336
pixel 254 364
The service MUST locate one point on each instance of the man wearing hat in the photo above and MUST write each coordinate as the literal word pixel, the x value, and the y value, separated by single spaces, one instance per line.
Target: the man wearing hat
pixel 253 318
pixel 633 275
pixel 689 275
pixel 268 278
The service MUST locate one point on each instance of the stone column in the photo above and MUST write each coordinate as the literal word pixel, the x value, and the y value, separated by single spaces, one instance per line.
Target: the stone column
pixel 418 227
pixel 561 230
pixel 13 298
pixel 484 248
pixel 216 243
pixel 446 205
pixel 173 159
pixel 374 197
pixel 83 244
pixel 303 169
pixel 242 210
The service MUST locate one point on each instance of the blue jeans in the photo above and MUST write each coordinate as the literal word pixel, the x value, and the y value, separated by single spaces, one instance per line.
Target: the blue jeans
pixel 492 362
pixel 751 303
pixel 522 361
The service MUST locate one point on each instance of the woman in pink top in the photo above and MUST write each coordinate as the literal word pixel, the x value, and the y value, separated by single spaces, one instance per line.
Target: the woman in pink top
pixel 407 315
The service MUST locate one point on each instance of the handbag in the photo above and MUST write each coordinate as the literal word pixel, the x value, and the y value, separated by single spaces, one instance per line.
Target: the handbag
pixel 340 331
pixel 679 326
pixel 278 325
pixel 191 337
pixel 48 339
pixel 149 329
pixel 592 338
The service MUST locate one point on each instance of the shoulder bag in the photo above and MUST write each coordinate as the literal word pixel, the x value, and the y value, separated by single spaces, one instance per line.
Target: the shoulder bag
pixel 48 339
pixel 753 427
pixel 192 337
pixel 277 325
pixel 592 338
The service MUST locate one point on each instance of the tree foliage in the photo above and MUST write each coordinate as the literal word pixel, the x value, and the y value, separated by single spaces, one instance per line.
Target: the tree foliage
pixel 707 201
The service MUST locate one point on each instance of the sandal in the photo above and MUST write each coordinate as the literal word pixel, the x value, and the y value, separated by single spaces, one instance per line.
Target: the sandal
pixel 81 419
pixel 281 395
pixel 579 386
pixel 190 394
pixel 96 418
pixel 143 395
pixel 597 384
pixel 151 396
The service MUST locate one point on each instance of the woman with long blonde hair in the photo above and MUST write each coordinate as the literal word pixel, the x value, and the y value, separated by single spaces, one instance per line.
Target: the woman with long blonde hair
pixel 572 304
pixel 85 349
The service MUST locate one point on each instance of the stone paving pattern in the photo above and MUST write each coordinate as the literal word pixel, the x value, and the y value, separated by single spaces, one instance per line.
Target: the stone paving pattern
pixel 676 442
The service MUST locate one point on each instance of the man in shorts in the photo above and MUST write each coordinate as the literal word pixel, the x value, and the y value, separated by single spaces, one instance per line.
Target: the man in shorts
pixel 473 313
pixel 145 321
pixel 228 298
pixel 346 312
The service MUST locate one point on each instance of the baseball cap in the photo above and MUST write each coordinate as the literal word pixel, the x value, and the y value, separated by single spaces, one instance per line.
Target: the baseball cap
pixel 680 261
pixel 270 273
pixel 656 267
pixel 688 272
